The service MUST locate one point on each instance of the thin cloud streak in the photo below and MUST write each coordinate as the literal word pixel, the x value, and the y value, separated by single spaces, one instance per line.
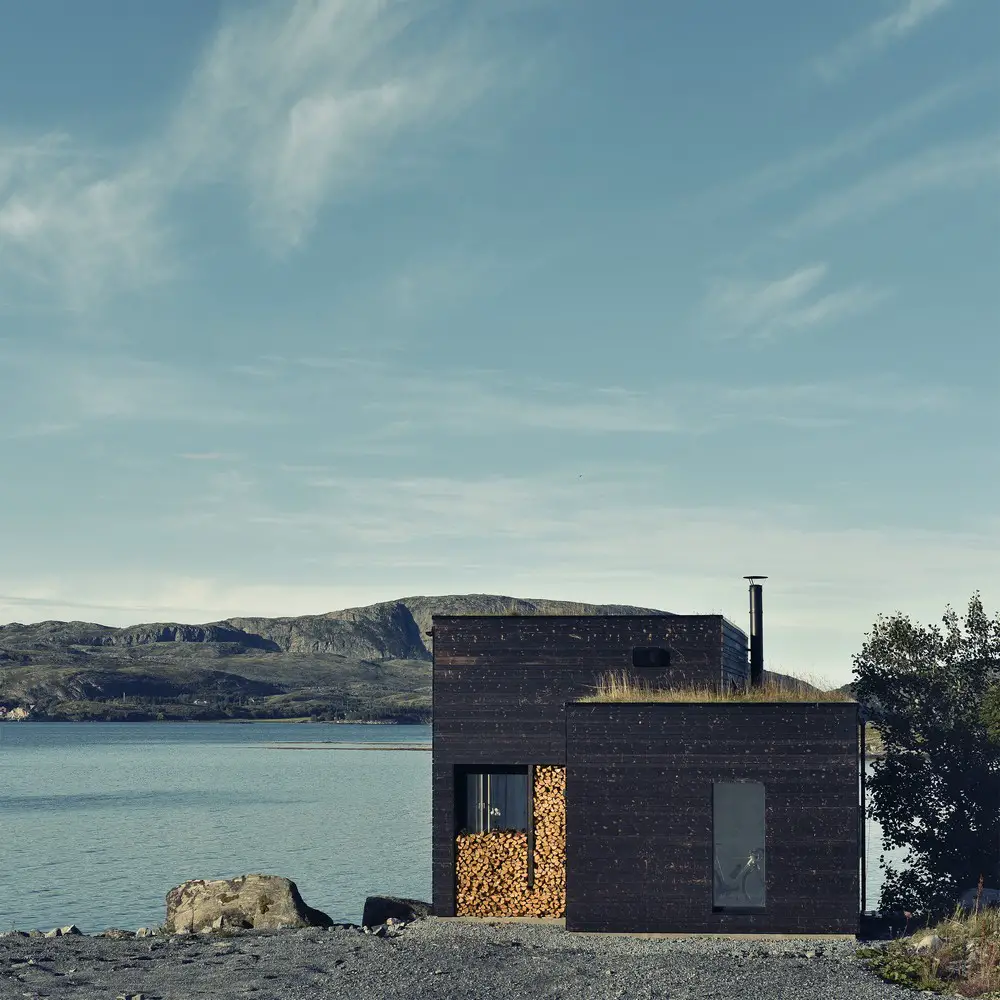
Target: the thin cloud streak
pixel 71 392
pixel 895 27
pixel 436 534
pixel 793 170
pixel 765 310
pixel 76 392
pixel 470 403
pixel 957 166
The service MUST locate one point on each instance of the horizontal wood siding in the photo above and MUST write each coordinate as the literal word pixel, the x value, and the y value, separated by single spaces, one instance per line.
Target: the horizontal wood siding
pixel 500 687
pixel 735 653
pixel 639 814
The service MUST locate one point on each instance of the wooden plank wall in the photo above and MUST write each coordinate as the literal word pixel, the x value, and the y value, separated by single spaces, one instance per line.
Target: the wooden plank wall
pixel 735 654
pixel 639 814
pixel 501 684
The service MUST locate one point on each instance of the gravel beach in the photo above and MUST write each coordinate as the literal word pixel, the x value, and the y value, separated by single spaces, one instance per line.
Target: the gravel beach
pixel 434 958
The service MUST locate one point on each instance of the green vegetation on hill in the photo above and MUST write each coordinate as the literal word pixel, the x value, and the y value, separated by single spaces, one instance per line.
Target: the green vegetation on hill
pixel 369 664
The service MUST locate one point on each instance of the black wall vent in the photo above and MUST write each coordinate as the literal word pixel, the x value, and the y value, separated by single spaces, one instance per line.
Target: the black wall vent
pixel 650 656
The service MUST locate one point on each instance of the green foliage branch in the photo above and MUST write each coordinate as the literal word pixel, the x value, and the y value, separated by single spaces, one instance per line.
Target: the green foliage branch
pixel 936 792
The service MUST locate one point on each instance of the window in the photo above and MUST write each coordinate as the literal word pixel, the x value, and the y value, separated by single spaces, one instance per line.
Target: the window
pixel 738 846
pixel 650 656
pixel 495 800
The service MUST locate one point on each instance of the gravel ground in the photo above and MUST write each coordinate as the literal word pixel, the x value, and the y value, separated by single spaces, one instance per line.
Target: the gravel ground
pixel 442 959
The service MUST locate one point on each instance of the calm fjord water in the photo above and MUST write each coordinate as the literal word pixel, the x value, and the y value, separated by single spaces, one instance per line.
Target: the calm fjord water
pixel 99 820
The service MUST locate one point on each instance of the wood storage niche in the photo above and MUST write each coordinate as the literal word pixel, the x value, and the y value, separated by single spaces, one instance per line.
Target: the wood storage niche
pixel 492 868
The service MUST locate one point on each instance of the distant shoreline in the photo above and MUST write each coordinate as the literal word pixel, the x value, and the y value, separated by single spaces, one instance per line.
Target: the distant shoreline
pixel 224 722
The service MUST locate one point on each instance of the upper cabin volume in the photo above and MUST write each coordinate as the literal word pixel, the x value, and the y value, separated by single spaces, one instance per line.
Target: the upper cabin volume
pixel 501 683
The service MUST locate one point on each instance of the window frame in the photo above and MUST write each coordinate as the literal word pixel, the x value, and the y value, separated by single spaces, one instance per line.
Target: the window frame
pixel 462 775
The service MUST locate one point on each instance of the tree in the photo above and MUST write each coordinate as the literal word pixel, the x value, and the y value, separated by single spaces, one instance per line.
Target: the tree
pixel 937 790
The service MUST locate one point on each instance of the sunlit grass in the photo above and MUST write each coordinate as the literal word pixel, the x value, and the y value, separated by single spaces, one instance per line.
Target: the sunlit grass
pixel 960 954
pixel 621 686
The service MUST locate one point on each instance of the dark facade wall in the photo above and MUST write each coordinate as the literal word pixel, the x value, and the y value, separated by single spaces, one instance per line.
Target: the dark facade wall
pixel 639 814
pixel 501 685
pixel 735 654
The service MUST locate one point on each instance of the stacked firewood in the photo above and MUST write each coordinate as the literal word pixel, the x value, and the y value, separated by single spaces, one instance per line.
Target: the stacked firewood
pixel 492 868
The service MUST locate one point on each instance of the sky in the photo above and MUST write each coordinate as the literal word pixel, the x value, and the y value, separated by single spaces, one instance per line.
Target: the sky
pixel 309 305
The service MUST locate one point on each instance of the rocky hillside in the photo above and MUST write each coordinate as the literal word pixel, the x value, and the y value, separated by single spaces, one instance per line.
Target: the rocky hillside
pixel 366 664
pixel 369 663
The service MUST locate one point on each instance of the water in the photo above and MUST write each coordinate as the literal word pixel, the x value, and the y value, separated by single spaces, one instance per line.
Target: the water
pixel 99 820
pixel 873 848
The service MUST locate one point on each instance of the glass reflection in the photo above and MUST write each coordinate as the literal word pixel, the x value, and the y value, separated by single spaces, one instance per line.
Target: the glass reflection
pixel 738 845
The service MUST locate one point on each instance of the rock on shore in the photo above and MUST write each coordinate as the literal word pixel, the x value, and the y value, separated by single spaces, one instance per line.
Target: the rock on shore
pixel 259 902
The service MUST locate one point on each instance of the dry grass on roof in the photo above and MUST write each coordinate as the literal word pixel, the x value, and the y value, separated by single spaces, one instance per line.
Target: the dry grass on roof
pixel 625 687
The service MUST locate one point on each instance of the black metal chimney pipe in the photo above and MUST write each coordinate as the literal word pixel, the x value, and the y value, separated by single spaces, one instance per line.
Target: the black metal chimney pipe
pixel 756 631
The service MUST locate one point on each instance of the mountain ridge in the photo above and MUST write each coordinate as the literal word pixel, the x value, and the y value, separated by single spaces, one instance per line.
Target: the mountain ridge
pixel 365 663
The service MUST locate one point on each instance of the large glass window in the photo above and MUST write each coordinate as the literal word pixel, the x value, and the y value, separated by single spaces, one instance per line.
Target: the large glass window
pixel 496 800
pixel 738 845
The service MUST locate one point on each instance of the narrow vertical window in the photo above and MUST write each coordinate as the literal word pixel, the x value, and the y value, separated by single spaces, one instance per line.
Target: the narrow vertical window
pixel 738 846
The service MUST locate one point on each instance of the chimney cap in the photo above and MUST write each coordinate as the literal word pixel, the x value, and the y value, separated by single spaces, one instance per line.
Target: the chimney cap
pixel 752 578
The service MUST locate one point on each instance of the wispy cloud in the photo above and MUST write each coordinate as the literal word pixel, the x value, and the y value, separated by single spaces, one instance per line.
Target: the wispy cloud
pixel 885 393
pixel 412 404
pixel 383 408
pixel 955 166
pixel 765 310
pixel 295 104
pixel 66 393
pixel 68 221
pixel 556 535
pixel 792 170
pixel 877 36
pixel 298 103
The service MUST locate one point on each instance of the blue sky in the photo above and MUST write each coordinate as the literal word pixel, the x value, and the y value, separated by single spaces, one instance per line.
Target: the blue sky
pixel 309 305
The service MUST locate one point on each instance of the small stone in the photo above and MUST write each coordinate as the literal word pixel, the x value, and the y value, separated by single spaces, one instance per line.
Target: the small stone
pixel 70 929
pixel 55 932
pixel 35 932
pixel 810 954
pixel 929 942
pixel 143 932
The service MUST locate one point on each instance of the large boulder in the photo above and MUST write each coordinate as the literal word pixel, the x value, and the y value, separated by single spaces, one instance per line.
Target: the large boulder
pixel 261 902
pixel 379 909
pixel 988 898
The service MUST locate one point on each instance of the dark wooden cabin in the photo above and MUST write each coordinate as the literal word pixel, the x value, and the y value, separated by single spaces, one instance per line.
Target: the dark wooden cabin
pixel 610 814
pixel 713 817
